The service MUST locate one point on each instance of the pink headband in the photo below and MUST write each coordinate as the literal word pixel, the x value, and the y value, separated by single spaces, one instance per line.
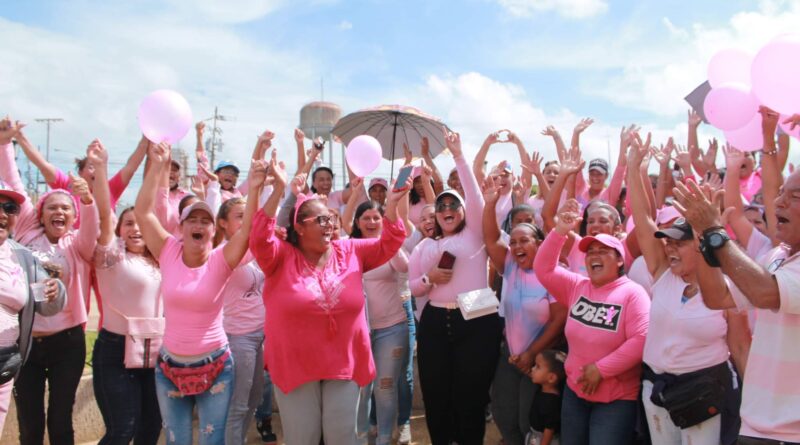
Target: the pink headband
pixel 49 193
pixel 302 198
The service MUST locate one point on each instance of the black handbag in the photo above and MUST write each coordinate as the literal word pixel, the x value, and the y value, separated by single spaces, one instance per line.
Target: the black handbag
pixel 693 401
pixel 10 362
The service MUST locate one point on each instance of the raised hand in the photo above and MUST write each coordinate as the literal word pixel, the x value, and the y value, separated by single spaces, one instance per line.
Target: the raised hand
pixel 80 187
pixel 626 136
pixel 583 124
pixel 694 119
pixel 521 190
pixel 158 153
pixel 550 131
pixel 513 138
pixel 793 121
pixel 298 184
pixel 200 128
pixel 276 172
pixel 769 120
pixel 573 163
pixel 490 191
pixel 682 157
pixel 425 147
pixel 9 130
pixel 534 165
pixel 638 150
pixel 207 174
pixel 407 154
pixel 699 205
pixel 397 191
pixel 257 175
pixel 96 154
pixel 197 187
pixel 299 136
pixel 568 217
pixel 710 156
pixel 714 182
pixel 453 142
pixel 734 158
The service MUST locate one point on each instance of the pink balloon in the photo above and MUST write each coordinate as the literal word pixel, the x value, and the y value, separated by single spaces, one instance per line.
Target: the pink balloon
pixel 749 137
pixel 363 155
pixel 775 73
pixel 164 116
pixel 786 127
pixel 729 65
pixel 730 106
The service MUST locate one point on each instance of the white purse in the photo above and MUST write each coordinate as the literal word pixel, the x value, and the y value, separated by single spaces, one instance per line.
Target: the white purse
pixel 477 303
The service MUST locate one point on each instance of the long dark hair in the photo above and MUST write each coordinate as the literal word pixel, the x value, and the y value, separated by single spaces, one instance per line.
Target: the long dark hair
pixel 585 222
pixel 413 196
pixel 519 208
pixel 362 208
pixel 147 252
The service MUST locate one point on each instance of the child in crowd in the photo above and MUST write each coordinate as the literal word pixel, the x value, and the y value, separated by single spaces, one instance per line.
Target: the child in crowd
pixel 545 414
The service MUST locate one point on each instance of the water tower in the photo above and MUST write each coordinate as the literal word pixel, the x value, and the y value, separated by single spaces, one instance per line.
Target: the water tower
pixel 317 120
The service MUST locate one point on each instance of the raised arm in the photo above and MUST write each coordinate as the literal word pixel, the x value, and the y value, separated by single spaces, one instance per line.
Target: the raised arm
pixel 97 156
pixel 524 159
pixel 558 281
pixel 86 240
pixel 374 253
pixel 570 166
pixel 134 161
pixel 783 151
pixel 49 171
pixel 734 210
pixel 692 142
pixel 580 182
pixel 480 158
pixel 495 246
pixel 153 232
pixel 665 180
pixel 350 208
pixel 772 178
pixel 561 149
pixel 299 138
pixel 236 247
pixel 438 183
pixel 645 230
pixel 534 166
pixel 473 199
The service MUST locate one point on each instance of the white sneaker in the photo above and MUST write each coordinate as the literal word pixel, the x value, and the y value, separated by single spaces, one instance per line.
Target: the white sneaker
pixel 405 435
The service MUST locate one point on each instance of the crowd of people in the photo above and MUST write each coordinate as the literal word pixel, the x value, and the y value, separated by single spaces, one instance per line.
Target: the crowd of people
pixel 623 307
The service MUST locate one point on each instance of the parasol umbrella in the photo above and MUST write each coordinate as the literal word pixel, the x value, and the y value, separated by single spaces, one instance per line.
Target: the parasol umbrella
pixel 393 126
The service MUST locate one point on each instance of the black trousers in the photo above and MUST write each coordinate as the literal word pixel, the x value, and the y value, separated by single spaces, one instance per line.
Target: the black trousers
pixel 457 360
pixel 59 360
pixel 126 397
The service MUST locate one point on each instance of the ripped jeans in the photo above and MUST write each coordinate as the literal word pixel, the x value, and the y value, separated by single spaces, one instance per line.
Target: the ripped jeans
pixel 389 349
pixel 212 406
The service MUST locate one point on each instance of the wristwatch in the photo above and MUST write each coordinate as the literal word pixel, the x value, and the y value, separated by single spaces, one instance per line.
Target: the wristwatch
pixel 711 241
pixel 425 280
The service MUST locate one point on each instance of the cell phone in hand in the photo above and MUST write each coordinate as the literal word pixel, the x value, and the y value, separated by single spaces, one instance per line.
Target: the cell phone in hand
pixel 319 144
pixel 447 261
pixel 402 177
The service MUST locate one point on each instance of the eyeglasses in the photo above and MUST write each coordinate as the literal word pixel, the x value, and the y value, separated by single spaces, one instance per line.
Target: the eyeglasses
pixel 10 207
pixel 442 206
pixel 322 220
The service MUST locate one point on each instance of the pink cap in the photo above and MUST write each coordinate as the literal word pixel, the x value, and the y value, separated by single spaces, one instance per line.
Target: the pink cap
pixel 666 214
pixel 604 239
pixel 378 181
pixel 7 191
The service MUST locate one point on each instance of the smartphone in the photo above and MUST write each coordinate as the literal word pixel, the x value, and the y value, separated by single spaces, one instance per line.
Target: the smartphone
pixel 402 177
pixel 319 144
pixel 447 261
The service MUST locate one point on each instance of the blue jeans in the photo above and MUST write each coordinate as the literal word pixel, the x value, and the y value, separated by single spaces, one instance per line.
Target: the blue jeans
pixel 389 347
pixel 405 390
pixel 212 405
pixel 248 384
pixel 126 397
pixel 593 423
pixel 264 410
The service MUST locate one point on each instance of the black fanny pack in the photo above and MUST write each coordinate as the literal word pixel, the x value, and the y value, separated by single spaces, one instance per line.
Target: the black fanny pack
pixel 10 362
pixel 690 398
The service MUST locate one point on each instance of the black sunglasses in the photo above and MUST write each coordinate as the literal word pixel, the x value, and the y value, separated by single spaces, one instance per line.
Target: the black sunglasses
pixel 10 207
pixel 442 206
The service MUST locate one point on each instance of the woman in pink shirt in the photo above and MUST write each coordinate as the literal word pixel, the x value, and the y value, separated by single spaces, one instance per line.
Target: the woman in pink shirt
pixel 685 338
pixel 388 322
pixel 243 320
pixel 195 367
pixel 456 357
pixel 318 348
pixel 19 271
pixel 606 327
pixel 130 281
pixel 58 353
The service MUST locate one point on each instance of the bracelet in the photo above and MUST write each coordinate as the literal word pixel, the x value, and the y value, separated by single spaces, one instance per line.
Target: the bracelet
pixel 769 153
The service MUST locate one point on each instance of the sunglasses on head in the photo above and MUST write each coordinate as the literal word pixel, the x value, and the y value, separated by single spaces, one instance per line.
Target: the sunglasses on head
pixel 322 220
pixel 10 207
pixel 442 206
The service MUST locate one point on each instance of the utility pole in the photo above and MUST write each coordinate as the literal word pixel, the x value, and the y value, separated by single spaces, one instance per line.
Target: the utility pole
pixel 48 121
pixel 214 131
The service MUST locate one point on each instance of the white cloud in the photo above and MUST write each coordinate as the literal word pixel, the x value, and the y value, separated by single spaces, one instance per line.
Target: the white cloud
pixel 573 9
pixel 229 11
pixel 344 25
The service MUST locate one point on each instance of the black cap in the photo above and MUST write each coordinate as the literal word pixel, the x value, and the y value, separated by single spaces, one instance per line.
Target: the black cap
pixel 598 164
pixel 680 231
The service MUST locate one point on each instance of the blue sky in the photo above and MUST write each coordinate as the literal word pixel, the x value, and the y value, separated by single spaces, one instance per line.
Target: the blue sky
pixel 480 65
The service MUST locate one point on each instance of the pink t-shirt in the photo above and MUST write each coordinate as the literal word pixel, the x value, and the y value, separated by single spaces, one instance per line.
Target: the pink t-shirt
pixel 770 394
pixel 130 285
pixel 384 297
pixel 683 337
pixel 243 311
pixel 13 295
pixel 415 212
pixel 470 271
pixel 316 328
pixel 192 300
pixel 605 325
pixel 116 185
pixel 750 185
